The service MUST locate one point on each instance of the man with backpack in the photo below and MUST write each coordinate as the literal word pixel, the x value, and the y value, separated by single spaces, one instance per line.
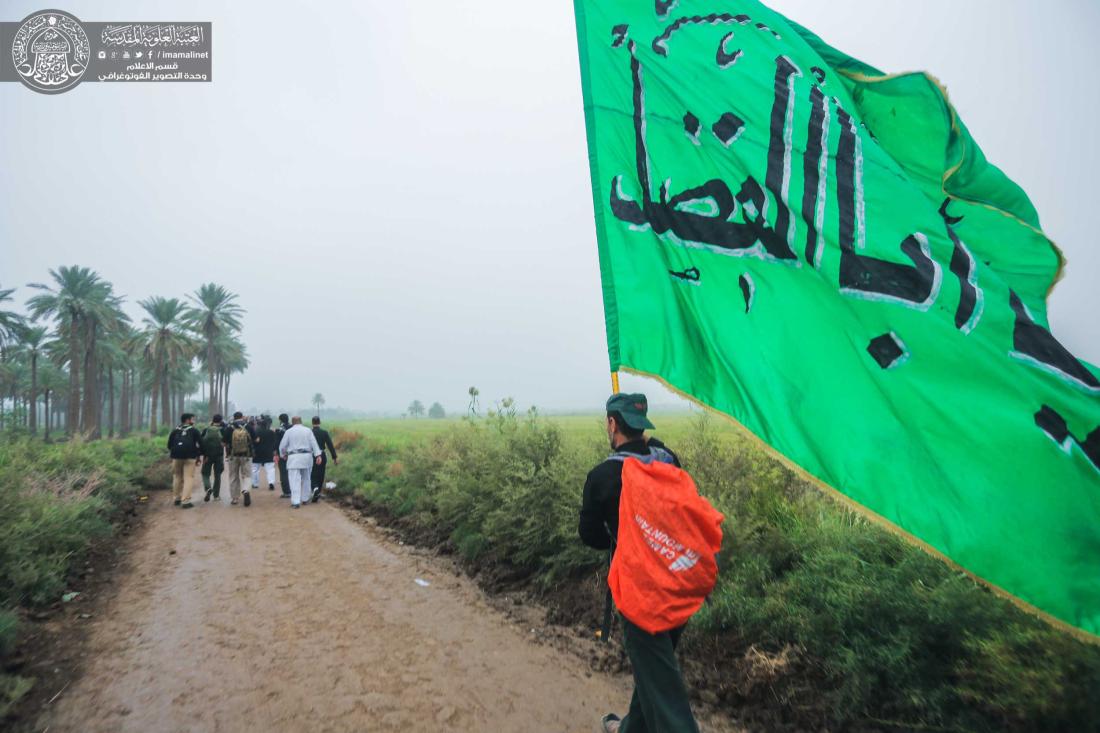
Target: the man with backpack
pixel 186 452
pixel 213 457
pixel 663 563
pixel 238 437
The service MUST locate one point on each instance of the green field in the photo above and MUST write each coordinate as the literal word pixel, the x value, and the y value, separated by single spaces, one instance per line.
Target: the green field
pixel 672 427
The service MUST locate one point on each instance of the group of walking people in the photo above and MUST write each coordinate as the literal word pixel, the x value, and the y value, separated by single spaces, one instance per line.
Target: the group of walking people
pixel 243 447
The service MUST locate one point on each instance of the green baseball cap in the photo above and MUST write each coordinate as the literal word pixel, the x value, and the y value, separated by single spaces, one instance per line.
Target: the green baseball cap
pixel 633 408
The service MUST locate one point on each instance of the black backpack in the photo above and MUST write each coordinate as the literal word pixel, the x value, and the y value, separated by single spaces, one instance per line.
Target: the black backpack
pixel 182 442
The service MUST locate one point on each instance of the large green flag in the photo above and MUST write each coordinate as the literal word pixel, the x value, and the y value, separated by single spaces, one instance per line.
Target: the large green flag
pixel 822 252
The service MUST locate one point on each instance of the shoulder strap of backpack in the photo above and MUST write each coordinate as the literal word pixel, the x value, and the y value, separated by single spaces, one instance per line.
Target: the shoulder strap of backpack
pixel 657 454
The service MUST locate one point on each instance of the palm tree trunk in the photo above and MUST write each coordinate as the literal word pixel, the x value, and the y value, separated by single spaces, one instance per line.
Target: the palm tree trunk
pixel 34 393
pixel 153 398
pixel 165 398
pixel 110 402
pixel 124 405
pixel 213 405
pixel 46 415
pixel 89 423
pixel 72 414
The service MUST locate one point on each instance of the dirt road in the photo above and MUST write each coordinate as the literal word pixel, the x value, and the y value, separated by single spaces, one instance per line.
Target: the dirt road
pixel 271 619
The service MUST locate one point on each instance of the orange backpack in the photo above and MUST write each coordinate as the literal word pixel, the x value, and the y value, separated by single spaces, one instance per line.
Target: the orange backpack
pixel 664 565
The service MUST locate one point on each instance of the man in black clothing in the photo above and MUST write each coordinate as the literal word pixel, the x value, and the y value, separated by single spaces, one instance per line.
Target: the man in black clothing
pixel 186 451
pixel 660 700
pixel 284 479
pixel 263 453
pixel 317 476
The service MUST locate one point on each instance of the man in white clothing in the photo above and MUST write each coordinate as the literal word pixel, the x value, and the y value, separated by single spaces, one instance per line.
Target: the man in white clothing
pixel 300 451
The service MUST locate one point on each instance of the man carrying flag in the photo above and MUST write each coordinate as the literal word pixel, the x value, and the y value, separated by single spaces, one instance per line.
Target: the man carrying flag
pixel 660 700
pixel 821 251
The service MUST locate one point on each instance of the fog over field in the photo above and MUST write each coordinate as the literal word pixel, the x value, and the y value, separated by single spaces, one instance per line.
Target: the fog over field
pixel 399 192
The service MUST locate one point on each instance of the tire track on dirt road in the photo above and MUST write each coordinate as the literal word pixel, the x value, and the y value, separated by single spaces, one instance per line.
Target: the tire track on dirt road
pixel 267 618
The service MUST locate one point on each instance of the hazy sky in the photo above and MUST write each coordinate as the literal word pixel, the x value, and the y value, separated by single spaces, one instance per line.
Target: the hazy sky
pixel 399 191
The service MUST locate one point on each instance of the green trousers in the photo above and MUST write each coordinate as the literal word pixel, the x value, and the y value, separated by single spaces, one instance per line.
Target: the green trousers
pixel 215 465
pixel 660 700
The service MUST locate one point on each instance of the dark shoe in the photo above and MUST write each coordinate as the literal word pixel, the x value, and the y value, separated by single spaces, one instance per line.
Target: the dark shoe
pixel 247 499
pixel 284 496
pixel 295 506
pixel 271 487
pixel 217 495
pixel 610 723
pixel 176 502
pixel 315 495
pixel 208 493
pixel 186 505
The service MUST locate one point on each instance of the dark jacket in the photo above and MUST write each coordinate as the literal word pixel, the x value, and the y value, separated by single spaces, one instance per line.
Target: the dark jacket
pixel 227 437
pixel 264 445
pixel 324 440
pixel 600 503
pixel 279 432
pixel 183 442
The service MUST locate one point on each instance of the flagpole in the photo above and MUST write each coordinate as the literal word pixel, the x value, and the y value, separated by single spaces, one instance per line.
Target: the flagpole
pixel 608 603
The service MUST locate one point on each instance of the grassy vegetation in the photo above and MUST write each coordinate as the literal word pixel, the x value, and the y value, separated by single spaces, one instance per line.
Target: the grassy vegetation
pixel 54 501
pixel 393 432
pixel 819 618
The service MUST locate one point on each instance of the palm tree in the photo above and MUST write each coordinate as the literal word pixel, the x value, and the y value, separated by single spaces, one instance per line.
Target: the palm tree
pixel 473 392
pixel 77 295
pixel 234 360
pixel 100 323
pixel 9 327
pixel 166 345
pixel 51 378
pixel 215 315
pixel 9 320
pixel 17 377
pixel 130 344
pixel 318 402
pixel 33 341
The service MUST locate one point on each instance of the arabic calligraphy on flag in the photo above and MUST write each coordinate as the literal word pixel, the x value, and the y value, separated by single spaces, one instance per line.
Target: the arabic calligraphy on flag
pixel 822 252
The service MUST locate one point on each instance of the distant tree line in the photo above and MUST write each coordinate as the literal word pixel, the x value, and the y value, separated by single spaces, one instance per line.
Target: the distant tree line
pixel 416 409
pixel 75 361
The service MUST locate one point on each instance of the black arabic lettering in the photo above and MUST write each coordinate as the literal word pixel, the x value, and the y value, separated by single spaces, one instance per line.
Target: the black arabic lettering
pixel 915 285
pixel 680 215
pixel 1036 345
pixel 1054 425
pixel 815 172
